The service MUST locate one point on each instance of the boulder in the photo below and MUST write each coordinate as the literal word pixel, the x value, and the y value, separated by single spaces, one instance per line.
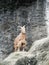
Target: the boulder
pixel 37 55
pixel 20 58
pixel 40 49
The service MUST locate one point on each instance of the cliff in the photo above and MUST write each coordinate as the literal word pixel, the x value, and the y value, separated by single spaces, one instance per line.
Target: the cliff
pixel 37 55
pixel 33 17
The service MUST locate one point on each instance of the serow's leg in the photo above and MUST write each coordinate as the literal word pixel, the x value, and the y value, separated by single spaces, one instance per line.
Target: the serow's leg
pixel 15 49
pixel 18 49
pixel 23 49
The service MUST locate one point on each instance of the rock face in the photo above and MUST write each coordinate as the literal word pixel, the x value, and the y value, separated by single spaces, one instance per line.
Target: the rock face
pixel 37 55
pixel 34 19
pixel 20 58
pixel 40 49
pixel 14 4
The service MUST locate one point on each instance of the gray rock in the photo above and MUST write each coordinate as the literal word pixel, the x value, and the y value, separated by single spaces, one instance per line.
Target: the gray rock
pixel 20 58
pixel 34 19
pixel 40 49
pixel 37 55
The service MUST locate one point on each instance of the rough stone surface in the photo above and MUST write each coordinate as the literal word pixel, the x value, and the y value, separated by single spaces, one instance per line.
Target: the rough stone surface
pixel 20 58
pixel 34 19
pixel 37 55
pixel 40 49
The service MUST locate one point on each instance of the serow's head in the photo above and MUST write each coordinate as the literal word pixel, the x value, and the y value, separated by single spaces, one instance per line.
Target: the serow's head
pixel 23 29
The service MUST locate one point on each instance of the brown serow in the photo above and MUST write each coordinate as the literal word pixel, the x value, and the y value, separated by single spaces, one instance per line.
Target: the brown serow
pixel 19 39
pixel 22 44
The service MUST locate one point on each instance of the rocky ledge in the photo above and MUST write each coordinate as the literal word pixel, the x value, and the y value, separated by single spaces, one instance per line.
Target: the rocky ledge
pixel 37 55
pixel 20 58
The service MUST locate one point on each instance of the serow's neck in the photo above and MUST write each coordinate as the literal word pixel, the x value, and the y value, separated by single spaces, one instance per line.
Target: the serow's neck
pixel 23 33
